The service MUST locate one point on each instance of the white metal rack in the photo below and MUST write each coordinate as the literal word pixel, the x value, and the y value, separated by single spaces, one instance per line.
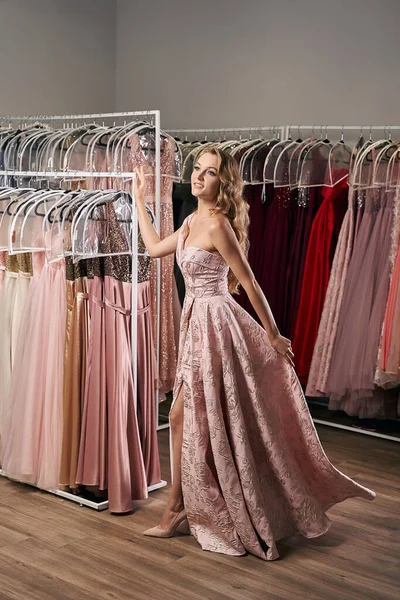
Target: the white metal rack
pixel 155 114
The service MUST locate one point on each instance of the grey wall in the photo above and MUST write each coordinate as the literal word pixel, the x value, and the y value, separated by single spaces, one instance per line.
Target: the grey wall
pixel 221 63
pixel 209 63
pixel 57 56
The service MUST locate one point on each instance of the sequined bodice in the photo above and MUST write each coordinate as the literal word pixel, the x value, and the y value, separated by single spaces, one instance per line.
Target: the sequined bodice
pixel 19 262
pixel 205 273
pixel 119 266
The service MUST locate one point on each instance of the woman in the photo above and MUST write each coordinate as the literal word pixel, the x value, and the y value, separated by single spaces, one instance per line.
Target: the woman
pixel 248 467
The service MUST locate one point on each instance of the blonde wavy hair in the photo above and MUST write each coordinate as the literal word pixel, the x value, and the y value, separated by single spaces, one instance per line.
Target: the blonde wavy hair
pixel 230 202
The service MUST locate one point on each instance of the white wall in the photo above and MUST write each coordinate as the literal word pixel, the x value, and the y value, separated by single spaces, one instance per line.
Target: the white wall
pixel 57 56
pixel 221 63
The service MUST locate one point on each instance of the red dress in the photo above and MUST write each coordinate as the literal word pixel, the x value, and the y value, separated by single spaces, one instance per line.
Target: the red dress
pixel 321 249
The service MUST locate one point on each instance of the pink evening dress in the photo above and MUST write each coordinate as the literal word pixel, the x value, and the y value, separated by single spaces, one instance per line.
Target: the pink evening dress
pixel 253 468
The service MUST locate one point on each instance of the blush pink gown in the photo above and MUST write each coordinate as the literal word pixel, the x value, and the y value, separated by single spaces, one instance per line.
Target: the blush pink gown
pixel 253 468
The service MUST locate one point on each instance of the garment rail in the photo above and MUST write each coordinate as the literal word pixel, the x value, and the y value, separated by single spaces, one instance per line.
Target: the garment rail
pixel 264 129
pixel 286 132
pixel 359 129
pixel 155 115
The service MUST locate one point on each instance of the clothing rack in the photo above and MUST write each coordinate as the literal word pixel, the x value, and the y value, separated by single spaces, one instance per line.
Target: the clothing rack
pixel 340 129
pixel 285 133
pixel 155 114
pixel 193 131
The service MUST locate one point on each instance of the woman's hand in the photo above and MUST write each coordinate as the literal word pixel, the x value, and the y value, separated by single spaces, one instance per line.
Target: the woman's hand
pixel 284 347
pixel 140 185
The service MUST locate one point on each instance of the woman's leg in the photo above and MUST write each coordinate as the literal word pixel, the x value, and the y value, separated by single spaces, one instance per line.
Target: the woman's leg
pixel 175 499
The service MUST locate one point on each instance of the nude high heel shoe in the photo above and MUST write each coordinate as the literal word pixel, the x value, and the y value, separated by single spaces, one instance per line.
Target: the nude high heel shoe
pixel 180 523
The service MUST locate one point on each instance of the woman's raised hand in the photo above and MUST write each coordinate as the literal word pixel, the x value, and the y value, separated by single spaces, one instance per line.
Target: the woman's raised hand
pixel 140 185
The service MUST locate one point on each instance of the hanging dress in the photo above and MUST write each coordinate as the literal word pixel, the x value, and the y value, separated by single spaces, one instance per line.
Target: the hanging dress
pixel 276 247
pixel 127 479
pixel 306 206
pixel 3 260
pixel 33 450
pixel 321 249
pixel 322 354
pixel 169 301
pixel 146 375
pixel 92 457
pixel 75 362
pixel 253 469
pixel 351 378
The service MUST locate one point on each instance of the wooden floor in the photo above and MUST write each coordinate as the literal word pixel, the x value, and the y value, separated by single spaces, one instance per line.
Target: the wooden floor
pixel 55 549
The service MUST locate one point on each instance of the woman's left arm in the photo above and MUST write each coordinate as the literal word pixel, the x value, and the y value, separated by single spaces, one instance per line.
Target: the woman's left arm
pixel 224 240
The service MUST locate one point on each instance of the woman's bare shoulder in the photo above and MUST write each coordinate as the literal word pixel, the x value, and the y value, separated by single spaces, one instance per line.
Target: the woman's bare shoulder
pixel 219 225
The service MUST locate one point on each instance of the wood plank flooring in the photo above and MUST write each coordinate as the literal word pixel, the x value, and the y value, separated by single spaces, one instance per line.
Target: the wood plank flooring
pixel 54 549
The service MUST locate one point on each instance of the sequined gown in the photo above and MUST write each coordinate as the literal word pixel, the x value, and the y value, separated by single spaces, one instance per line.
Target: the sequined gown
pixel 169 307
pixel 253 469
pixel 278 233
pixel 118 446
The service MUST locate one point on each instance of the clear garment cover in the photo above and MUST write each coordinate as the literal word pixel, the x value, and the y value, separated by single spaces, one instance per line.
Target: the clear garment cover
pixel 59 222
pixel 246 160
pixel 362 174
pixel 258 160
pixel 8 207
pixel 282 165
pixel 270 161
pixel 26 227
pixel 296 161
pixel 338 164
pixel 393 172
pixel 381 165
pixel 315 164
pixel 91 227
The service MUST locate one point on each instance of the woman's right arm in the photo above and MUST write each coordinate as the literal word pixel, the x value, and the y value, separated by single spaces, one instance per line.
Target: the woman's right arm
pixel 155 246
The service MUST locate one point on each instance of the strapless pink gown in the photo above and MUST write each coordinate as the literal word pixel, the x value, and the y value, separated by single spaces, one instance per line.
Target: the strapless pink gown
pixel 253 468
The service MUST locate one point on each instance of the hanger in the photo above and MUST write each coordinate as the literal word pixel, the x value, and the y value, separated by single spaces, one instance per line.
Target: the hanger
pixel 57 222
pixel 26 221
pixel 247 161
pixel 382 162
pixel 282 165
pixel 272 157
pixel 90 223
pixel 314 163
pixel 363 166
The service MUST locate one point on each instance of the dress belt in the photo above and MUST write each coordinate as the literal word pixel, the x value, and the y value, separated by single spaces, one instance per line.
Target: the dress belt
pixel 116 307
pixel 98 302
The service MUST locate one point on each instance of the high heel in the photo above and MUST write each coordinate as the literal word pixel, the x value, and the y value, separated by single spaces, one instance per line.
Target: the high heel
pixel 180 523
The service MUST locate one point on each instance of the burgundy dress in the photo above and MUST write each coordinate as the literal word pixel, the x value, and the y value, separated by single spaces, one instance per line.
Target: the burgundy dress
pixel 307 203
pixel 276 247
